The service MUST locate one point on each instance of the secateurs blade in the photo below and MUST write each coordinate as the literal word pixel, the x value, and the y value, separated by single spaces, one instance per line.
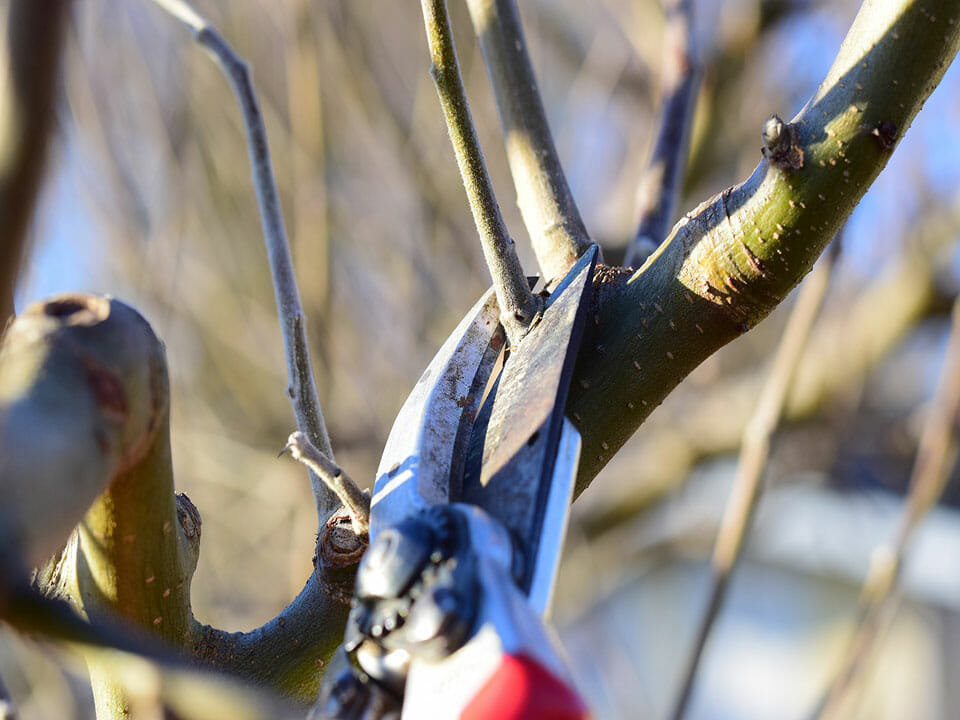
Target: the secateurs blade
pixel 468 515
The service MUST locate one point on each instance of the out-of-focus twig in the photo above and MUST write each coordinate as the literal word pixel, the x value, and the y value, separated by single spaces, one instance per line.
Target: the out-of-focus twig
pixel 355 500
pixel 150 673
pixel 7 709
pixel 754 452
pixel 518 306
pixel 302 388
pixel 32 36
pixel 936 455
pixel 558 234
pixel 679 85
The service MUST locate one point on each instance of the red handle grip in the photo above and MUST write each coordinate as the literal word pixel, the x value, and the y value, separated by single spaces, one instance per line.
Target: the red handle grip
pixel 521 689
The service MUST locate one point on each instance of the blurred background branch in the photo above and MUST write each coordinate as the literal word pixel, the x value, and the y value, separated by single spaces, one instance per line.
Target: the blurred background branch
pixel 32 36
pixel 660 184
pixel 752 461
pixel 936 456
pixel 7 709
pixel 549 211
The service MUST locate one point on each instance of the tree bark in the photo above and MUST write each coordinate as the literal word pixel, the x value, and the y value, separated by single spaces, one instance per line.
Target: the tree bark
pixel 731 260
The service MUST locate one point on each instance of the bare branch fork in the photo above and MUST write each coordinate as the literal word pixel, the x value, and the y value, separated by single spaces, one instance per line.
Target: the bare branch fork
pixel 931 470
pixel 518 306
pixel 302 388
pixel 662 180
pixel 355 500
pixel 754 452
pixel 549 212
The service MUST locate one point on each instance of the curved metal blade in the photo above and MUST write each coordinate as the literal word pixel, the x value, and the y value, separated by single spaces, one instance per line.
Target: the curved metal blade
pixel 556 514
pixel 522 436
pixel 423 451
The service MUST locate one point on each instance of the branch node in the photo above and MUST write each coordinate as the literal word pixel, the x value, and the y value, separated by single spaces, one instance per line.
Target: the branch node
pixel 780 144
pixel 886 134
pixel 355 500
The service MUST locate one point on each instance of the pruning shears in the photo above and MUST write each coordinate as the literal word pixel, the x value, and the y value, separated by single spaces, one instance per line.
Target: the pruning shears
pixel 468 517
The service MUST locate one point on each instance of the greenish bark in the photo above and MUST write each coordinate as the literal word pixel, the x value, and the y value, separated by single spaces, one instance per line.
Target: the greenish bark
pixel 289 653
pixel 79 393
pixel 84 427
pixel 730 261
pixel 84 397
pixel 546 203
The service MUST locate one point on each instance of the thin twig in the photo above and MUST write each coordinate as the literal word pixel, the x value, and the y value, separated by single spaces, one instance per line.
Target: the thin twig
pixel 679 85
pixel 518 306
pixel 754 451
pixel 549 212
pixel 302 389
pixel 355 500
pixel 936 455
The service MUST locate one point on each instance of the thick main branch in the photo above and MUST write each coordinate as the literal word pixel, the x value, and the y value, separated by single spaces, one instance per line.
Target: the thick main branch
pixel 84 441
pixel 730 261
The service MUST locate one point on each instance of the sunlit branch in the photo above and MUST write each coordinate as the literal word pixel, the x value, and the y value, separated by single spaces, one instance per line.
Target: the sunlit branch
pixel 353 498
pixel 549 212
pixel 518 306
pixel 302 388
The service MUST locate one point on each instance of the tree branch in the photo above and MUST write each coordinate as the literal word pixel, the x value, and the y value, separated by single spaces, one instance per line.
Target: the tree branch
pixel 29 60
pixel 144 672
pixel 754 452
pixel 85 411
pixel 845 344
pixel 84 400
pixel 663 178
pixel 302 388
pixel 936 455
pixel 730 261
pixel 518 306
pixel 289 652
pixel 549 212
pixel 81 401
pixel 356 502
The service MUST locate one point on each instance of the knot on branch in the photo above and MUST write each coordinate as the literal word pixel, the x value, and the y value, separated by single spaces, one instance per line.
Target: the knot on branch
pixel 780 144
pixel 188 518
pixel 886 135
pixel 339 550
